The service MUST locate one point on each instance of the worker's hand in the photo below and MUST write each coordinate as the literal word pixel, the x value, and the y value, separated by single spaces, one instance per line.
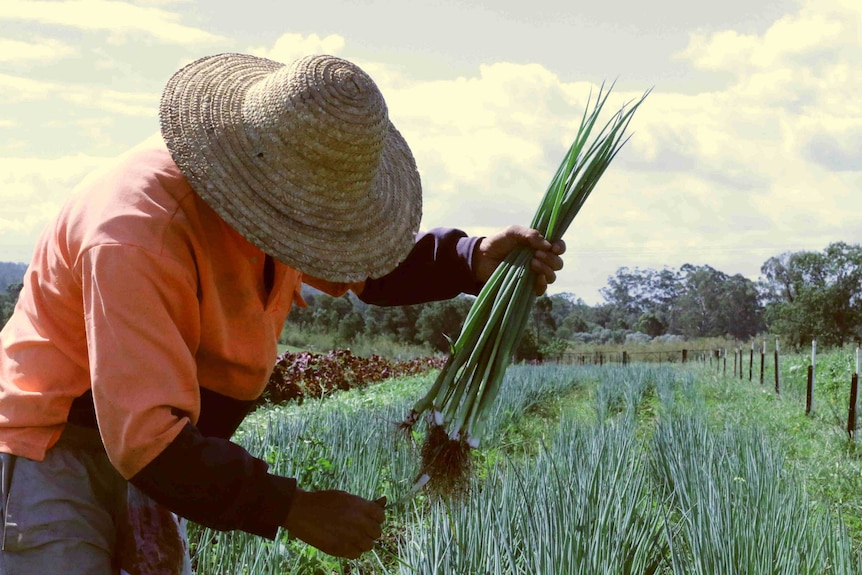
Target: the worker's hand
pixel 546 259
pixel 336 522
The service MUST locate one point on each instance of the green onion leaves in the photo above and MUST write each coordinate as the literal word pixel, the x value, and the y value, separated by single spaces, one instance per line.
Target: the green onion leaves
pixel 468 384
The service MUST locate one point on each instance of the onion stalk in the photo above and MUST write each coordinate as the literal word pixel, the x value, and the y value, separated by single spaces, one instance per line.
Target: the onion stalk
pixel 467 385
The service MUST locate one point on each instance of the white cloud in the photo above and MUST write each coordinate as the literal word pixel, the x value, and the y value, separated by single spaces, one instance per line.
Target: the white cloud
pixel 833 142
pixel 491 130
pixel 41 51
pixel 290 47
pixel 23 180
pixel 727 50
pixel 15 89
pixel 794 83
pixel 19 89
pixel 819 30
pixel 32 190
pixel 113 16
pixel 125 103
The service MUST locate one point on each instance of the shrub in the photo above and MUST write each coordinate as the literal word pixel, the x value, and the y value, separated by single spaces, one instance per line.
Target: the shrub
pixel 305 374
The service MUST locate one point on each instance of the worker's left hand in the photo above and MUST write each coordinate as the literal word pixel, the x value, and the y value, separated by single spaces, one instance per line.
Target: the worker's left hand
pixel 336 522
pixel 546 260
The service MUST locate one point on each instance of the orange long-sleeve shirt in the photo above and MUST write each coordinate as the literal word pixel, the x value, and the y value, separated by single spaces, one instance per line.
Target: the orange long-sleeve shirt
pixel 140 294
pixel 150 296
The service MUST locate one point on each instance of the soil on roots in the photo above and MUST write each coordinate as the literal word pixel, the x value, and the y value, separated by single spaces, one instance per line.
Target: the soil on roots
pixel 446 461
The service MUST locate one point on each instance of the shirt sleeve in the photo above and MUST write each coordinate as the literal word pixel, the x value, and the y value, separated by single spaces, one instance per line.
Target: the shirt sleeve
pixel 440 266
pixel 143 329
pixel 216 483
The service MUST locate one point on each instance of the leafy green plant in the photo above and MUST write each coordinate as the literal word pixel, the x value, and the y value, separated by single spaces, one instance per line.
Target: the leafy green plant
pixel 300 375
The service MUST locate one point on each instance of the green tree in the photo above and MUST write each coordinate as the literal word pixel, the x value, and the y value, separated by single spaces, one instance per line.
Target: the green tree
pixel 626 296
pixel 303 316
pixel 570 315
pixel 441 319
pixel 543 318
pixel 350 327
pixel 11 274
pixel 329 312
pixel 665 289
pixel 572 325
pixel 563 305
pixel 742 316
pixel 814 295
pixel 631 294
pixel 715 304
pixel 650 324
pixel 396 322
pixel 8 301
pixel 528 347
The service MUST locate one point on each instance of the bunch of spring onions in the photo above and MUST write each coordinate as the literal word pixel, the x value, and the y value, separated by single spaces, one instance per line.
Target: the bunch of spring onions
pixel 464 391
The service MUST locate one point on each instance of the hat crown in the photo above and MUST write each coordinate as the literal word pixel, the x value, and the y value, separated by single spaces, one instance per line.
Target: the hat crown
pixel 322 119
pixel 301 160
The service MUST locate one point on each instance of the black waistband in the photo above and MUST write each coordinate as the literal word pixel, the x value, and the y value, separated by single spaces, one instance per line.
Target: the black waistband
pixel 80 437
pixel 219 415
pixel 82 412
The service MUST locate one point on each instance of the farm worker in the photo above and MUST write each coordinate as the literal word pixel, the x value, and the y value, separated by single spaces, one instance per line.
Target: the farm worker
pixel 148 322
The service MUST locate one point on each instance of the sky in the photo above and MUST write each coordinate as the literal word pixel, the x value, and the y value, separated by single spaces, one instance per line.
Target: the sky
pixel 748 146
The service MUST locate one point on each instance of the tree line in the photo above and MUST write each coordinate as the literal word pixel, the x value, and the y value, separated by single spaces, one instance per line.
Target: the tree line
pixel 800 296
pixel 11 276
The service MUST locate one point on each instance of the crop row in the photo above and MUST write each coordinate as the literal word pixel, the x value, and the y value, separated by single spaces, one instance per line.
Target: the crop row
pixel 641 485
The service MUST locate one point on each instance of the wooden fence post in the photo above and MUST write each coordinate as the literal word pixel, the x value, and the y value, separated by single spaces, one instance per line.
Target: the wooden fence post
pixel 854 401
pixel 851 416
pixel 763 362
pixel 809 390
pixel 751 363
pixel 684 355
pixel 777 377
pixel 813 375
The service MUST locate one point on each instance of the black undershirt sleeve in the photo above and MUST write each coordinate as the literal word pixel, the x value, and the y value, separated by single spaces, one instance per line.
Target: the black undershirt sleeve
pixel 218 484
pixel 439 267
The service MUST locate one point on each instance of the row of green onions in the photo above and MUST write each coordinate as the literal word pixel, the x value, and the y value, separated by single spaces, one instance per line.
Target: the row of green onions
pixel 467 386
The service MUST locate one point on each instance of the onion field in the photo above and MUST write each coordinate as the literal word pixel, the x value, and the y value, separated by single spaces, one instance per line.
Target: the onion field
pixel 619 470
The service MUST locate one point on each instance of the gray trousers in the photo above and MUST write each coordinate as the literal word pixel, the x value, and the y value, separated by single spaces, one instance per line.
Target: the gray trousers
pixel 74 514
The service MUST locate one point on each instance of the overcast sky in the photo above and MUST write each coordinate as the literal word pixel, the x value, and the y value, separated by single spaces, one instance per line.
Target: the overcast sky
pixel 750 144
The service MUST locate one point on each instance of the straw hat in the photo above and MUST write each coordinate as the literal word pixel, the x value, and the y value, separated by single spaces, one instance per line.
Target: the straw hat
pixel 301 160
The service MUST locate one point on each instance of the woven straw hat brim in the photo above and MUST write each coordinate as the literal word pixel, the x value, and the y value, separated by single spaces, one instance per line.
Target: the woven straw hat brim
pixel 300 160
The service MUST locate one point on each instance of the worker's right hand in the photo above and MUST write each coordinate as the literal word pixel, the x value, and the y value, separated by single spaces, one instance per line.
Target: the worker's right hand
pixel 336 522
pixel 494 249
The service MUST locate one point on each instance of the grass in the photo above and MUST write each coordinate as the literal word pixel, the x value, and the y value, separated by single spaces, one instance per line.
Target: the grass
pixel 817 446
pixel 638 469
pixel 295 339
pixel 291 348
